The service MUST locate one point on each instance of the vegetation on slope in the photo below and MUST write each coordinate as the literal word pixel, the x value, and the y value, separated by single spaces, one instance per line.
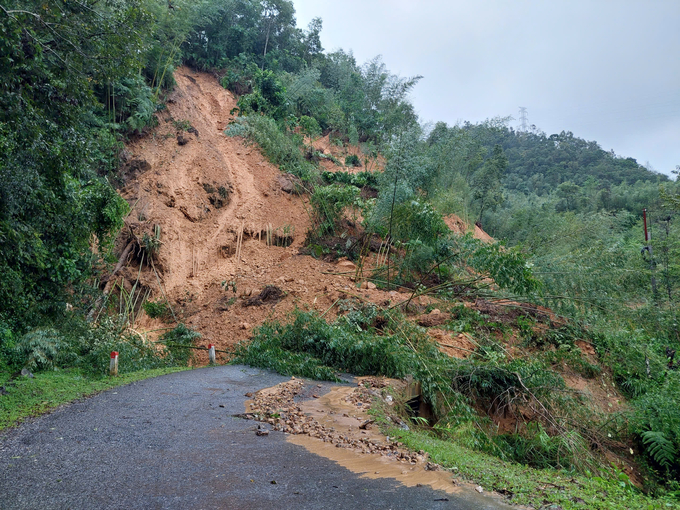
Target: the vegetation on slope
pixel 78 78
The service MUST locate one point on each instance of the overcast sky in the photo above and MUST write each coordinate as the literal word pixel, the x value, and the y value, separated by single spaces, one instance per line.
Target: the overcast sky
pixel 606 70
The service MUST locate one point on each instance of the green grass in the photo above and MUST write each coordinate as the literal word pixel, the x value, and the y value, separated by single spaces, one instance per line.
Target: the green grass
pixel 536 487
pixel 31 397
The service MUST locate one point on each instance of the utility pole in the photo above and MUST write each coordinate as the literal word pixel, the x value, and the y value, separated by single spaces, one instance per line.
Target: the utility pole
pixel 648 248
pixel 523 121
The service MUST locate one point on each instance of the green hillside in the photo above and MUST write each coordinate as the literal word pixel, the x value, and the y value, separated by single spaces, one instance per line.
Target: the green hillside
pixel 80 79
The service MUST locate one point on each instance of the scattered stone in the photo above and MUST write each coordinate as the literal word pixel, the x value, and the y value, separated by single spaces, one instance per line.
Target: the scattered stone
pixel 479 489
pixel 366 424
pixel 278 408
pixel 289 183
pixel 347 264
pixel 25 372
pixel 270 294
pixel 181 140
pixel 261 431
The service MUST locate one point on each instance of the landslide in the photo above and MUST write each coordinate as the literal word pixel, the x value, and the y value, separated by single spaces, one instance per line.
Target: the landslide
pixel 214 202
pixel 176 187
pixel 200 190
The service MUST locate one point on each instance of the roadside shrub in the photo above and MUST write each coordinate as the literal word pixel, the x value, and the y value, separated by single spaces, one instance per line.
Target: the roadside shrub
pixel 340 346
pixel 40 348
pixel 8 354
pixel 178 345
pixel 536 448
pixel 134 352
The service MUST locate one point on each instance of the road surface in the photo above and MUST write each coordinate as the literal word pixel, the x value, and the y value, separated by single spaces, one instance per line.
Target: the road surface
pixel 172 442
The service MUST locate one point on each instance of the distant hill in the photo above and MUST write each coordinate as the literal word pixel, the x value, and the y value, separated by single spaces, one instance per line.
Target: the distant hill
pixel 539 163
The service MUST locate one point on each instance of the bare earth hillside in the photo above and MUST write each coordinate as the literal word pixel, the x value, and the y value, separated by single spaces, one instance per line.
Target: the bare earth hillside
pixel 177 187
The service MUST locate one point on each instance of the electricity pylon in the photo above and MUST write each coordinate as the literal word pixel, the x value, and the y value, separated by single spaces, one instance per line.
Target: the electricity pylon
pixel 523 121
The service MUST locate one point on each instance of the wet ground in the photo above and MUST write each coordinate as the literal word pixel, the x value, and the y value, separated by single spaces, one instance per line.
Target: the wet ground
pixel 174 442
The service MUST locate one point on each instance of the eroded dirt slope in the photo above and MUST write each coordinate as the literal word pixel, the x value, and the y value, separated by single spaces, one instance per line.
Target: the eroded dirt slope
pixel 202 189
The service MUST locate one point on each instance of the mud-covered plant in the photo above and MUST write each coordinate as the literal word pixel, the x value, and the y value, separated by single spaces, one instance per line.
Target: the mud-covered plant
pixel 182 125
pixel 151 244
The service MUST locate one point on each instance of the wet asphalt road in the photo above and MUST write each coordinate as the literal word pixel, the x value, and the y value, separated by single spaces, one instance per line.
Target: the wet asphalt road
pixel 173 442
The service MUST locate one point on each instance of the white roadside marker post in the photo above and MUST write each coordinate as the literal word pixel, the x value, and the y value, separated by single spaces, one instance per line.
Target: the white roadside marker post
pixel 211 353
pixel 113 367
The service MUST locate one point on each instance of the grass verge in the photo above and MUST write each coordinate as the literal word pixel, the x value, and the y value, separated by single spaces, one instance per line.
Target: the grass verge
pixel 27 397
pixel 539 488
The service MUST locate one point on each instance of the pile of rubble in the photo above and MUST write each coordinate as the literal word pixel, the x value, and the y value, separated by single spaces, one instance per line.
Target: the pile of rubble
pixel 278 407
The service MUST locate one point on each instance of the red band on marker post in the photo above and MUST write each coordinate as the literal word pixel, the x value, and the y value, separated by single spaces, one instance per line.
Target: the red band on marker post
pixel 113 367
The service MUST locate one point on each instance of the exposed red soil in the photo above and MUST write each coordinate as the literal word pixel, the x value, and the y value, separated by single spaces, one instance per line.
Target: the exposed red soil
pixel 171 185
pixel 458 226
pixel 217 201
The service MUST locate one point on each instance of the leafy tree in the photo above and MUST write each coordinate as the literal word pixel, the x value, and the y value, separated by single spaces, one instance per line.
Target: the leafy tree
pixel 310 127
pixel 486 182
pixel 54 137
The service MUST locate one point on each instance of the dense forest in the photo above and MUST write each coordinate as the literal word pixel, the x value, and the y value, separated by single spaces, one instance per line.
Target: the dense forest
pixel 80 78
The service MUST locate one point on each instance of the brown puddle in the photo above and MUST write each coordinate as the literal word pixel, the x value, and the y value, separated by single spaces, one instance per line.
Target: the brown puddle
pixel 337 426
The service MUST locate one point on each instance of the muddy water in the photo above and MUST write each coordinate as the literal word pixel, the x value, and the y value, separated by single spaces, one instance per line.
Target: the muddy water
pixel 336 410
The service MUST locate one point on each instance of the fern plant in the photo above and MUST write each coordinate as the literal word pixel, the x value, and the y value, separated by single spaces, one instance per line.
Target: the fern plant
pixel 40 348
pixel 660 448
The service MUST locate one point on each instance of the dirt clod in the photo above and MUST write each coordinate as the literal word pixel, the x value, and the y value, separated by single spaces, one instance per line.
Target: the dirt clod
pixel 270 294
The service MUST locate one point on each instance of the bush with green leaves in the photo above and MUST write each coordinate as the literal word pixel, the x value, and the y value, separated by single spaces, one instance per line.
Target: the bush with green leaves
pixel 416 219
pixel 328 204
pixel 278 145
pixel 157 309
pixel 456 388
pixel 268 96
pixel 327 348
pixel 40 349
pixel 178 345
pixel 360 180
pixel 656 421
pixel 95 344
pixel 352 160
pixel 507 267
